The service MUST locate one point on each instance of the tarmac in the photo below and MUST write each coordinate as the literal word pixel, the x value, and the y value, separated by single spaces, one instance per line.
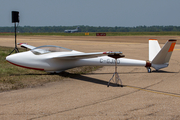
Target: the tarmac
pixel 144 96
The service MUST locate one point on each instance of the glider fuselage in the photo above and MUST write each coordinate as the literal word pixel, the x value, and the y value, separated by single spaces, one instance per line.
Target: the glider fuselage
pixel 48 62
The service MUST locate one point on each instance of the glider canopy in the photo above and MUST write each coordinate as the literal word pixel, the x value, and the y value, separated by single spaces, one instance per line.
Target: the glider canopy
pixel 48 49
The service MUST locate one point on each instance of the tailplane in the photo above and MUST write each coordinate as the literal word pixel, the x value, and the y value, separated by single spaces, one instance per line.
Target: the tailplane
pixel 160 57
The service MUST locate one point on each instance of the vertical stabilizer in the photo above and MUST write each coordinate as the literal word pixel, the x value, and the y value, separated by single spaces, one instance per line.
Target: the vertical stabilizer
pixel 154 48
pixel 161 60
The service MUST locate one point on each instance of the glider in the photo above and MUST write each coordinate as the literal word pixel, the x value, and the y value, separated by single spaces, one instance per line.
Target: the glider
pixel 55 59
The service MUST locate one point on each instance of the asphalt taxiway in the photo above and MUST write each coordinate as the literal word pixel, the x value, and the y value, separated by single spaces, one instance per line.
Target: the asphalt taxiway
pixel 145 95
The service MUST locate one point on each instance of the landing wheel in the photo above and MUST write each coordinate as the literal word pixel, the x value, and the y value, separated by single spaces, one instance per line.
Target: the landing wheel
pixel 149 70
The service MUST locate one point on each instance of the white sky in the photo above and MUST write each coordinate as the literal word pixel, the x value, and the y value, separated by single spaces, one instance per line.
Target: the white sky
pixel 126 13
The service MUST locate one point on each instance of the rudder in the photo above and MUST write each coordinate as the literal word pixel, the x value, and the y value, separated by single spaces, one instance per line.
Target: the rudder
pixel 154 48
pixel 161 60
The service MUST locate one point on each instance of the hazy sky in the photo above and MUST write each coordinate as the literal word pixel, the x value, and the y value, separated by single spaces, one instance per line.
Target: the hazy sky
pixel 126 13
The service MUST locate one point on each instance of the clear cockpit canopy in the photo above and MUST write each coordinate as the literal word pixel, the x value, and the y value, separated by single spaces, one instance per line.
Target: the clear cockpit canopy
pixel 49 49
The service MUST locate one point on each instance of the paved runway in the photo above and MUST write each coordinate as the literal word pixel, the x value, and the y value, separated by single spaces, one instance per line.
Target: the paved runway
pixel 145 95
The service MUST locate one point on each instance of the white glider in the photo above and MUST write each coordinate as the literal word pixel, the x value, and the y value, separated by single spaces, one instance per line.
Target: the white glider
pixel 55 59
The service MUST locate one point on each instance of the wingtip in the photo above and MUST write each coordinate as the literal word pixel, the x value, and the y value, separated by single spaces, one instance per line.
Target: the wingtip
pixel 104 52
pixel 21 43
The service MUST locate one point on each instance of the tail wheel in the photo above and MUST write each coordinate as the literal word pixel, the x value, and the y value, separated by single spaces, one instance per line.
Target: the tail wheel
pixel 148 66
pixel 149 69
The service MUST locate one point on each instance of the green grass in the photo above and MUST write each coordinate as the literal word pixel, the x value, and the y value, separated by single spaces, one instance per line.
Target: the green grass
pixel 13 77
pixel 94 33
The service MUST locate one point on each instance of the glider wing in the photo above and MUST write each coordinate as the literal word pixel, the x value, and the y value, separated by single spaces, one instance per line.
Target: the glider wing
pixel 25 45
pixel 81 55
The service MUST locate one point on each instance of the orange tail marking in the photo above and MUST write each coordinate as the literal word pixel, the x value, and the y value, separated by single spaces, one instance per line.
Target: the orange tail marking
pixel 172 47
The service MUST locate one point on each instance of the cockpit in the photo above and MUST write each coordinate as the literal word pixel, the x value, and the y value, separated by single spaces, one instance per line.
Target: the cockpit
pixel 49 49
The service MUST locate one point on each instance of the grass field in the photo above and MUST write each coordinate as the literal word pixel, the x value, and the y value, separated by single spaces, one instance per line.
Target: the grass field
pixel 94 33
pixel 13 77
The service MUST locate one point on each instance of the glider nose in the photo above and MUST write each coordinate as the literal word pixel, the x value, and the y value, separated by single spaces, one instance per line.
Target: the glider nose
pixel 11 59
pixel 24 60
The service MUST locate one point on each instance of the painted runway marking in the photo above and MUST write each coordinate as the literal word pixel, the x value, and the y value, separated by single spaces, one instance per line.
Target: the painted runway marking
pixel 154 91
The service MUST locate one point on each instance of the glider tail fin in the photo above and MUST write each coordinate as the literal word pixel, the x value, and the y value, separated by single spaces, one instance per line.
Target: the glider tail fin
pixel 154 48
pixel 160 57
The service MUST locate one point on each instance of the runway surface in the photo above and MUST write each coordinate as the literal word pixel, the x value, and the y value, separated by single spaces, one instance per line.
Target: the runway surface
pixel 144 96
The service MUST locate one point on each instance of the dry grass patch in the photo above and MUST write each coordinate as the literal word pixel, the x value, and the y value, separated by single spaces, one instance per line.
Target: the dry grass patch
pixel 13 77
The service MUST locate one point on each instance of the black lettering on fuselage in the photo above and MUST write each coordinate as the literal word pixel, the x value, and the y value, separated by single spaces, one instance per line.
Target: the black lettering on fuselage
pixel 109 61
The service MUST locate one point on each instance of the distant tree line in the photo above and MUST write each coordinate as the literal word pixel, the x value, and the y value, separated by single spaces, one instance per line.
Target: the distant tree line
pixel 82 28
